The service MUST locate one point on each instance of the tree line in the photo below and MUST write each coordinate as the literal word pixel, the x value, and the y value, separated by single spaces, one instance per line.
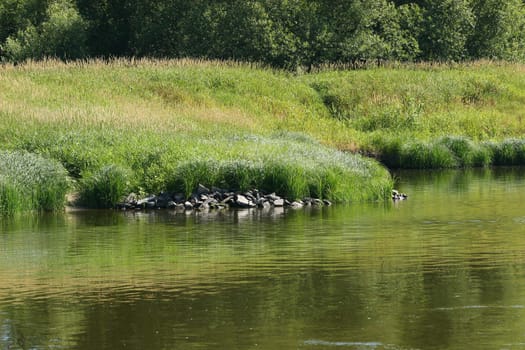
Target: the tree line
pixel 281 33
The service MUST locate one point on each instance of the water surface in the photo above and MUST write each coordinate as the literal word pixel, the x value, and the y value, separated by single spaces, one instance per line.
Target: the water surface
pixel 442 270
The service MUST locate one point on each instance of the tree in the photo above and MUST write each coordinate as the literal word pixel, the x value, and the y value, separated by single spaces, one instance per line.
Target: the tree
pixel 61 35
pixel 109 30
pixel 17 15
pixel 446 26
pixel 499 30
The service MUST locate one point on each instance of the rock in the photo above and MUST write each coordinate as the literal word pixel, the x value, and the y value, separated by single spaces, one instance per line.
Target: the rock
pixel 250 196
pixel 203 199
pixel 163 199
pixel 204 206
pixel 179 197
pixel 202 190
pixel 228 200
pixel 272 197
pixel 132 198
pixel 327 202
pixel 216 189
pixel 398 196
pixel 297 204
pixel 244 202
pixel 278 202
pixel 317 202
pixel 143 202
pixel 124 206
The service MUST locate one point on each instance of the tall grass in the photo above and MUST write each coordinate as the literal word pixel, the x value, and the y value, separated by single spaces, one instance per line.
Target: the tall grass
pixel 290 178
pixel 105 188
pixel 157 125
pixel 449 152
pixel 31 182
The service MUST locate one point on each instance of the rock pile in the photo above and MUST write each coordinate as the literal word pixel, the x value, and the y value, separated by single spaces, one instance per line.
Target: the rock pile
pixel 215 198
pixel 398 196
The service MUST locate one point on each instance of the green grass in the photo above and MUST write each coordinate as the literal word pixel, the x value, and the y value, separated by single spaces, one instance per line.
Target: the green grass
pixel 149 126
pixel 31 182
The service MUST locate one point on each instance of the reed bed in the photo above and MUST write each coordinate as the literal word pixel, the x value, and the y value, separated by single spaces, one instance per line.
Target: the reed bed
pixel 450 152
pixel 31 182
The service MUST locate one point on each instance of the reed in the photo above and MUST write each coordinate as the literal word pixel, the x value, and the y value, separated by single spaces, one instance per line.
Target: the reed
pixel 105 188
pixel 304 170
pixel 31 182
pixel 509 152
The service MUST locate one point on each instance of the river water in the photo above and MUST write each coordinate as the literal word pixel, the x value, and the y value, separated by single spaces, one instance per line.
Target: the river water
pixel 443 270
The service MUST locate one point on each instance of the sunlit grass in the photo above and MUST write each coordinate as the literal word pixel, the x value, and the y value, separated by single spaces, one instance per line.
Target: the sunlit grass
pixel 30 182
pixel 244 125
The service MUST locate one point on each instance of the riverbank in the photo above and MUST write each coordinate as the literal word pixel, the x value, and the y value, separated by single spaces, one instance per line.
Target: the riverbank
pixel 155 126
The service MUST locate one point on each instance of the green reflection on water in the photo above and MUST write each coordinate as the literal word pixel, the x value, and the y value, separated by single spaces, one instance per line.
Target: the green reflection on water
pixel 443 270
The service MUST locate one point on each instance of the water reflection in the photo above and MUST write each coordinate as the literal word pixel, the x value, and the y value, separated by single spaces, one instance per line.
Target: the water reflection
pixel 443 270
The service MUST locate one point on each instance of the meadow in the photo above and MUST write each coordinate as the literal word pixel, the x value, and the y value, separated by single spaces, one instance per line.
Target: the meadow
pixel 147 126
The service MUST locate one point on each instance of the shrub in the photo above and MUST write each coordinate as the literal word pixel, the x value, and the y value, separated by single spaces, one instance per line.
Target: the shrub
pixel 461 147
pixel 421 155
pixel 510 152
pixel 31 182
pixel 62 35
pixel 105 188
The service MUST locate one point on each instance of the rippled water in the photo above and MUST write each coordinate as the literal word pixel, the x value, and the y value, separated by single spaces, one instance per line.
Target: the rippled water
pixel 442 270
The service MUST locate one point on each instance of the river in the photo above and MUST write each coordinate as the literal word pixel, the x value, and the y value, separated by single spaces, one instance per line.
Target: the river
pixel 444 269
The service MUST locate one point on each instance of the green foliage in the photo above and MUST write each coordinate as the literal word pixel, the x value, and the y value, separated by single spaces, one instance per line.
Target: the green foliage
pixel 295 34
pixel 11 199
pixel 15 15
pixel 105 188
pixel 231 125
pixel 449 152
pixel 499 30
pixel 447 25
pixel 462 148
pixel 478 91
pixel 510 152
pixel 424 155
pixel 30 182
pixel 61 35
pixel 304 170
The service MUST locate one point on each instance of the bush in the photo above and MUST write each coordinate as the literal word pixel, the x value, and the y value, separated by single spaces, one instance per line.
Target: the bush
pixel 421 155
pixel 338 176
pixel 31 182
pixel 105 188
pixel 510 152
pixel 461 147
pixel 62 35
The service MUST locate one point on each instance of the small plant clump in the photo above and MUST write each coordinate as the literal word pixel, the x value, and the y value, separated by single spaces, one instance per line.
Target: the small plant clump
pixel 449 152
pixel 105 188
pixel 31 182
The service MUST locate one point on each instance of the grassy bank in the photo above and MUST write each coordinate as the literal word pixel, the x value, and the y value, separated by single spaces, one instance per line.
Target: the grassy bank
pixel 168 126
pixel 152 126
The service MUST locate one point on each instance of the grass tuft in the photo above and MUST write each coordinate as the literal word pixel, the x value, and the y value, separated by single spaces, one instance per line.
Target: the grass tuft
pixel 31 182
pixel 105 188
pixel 426 155
pixel 510 152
